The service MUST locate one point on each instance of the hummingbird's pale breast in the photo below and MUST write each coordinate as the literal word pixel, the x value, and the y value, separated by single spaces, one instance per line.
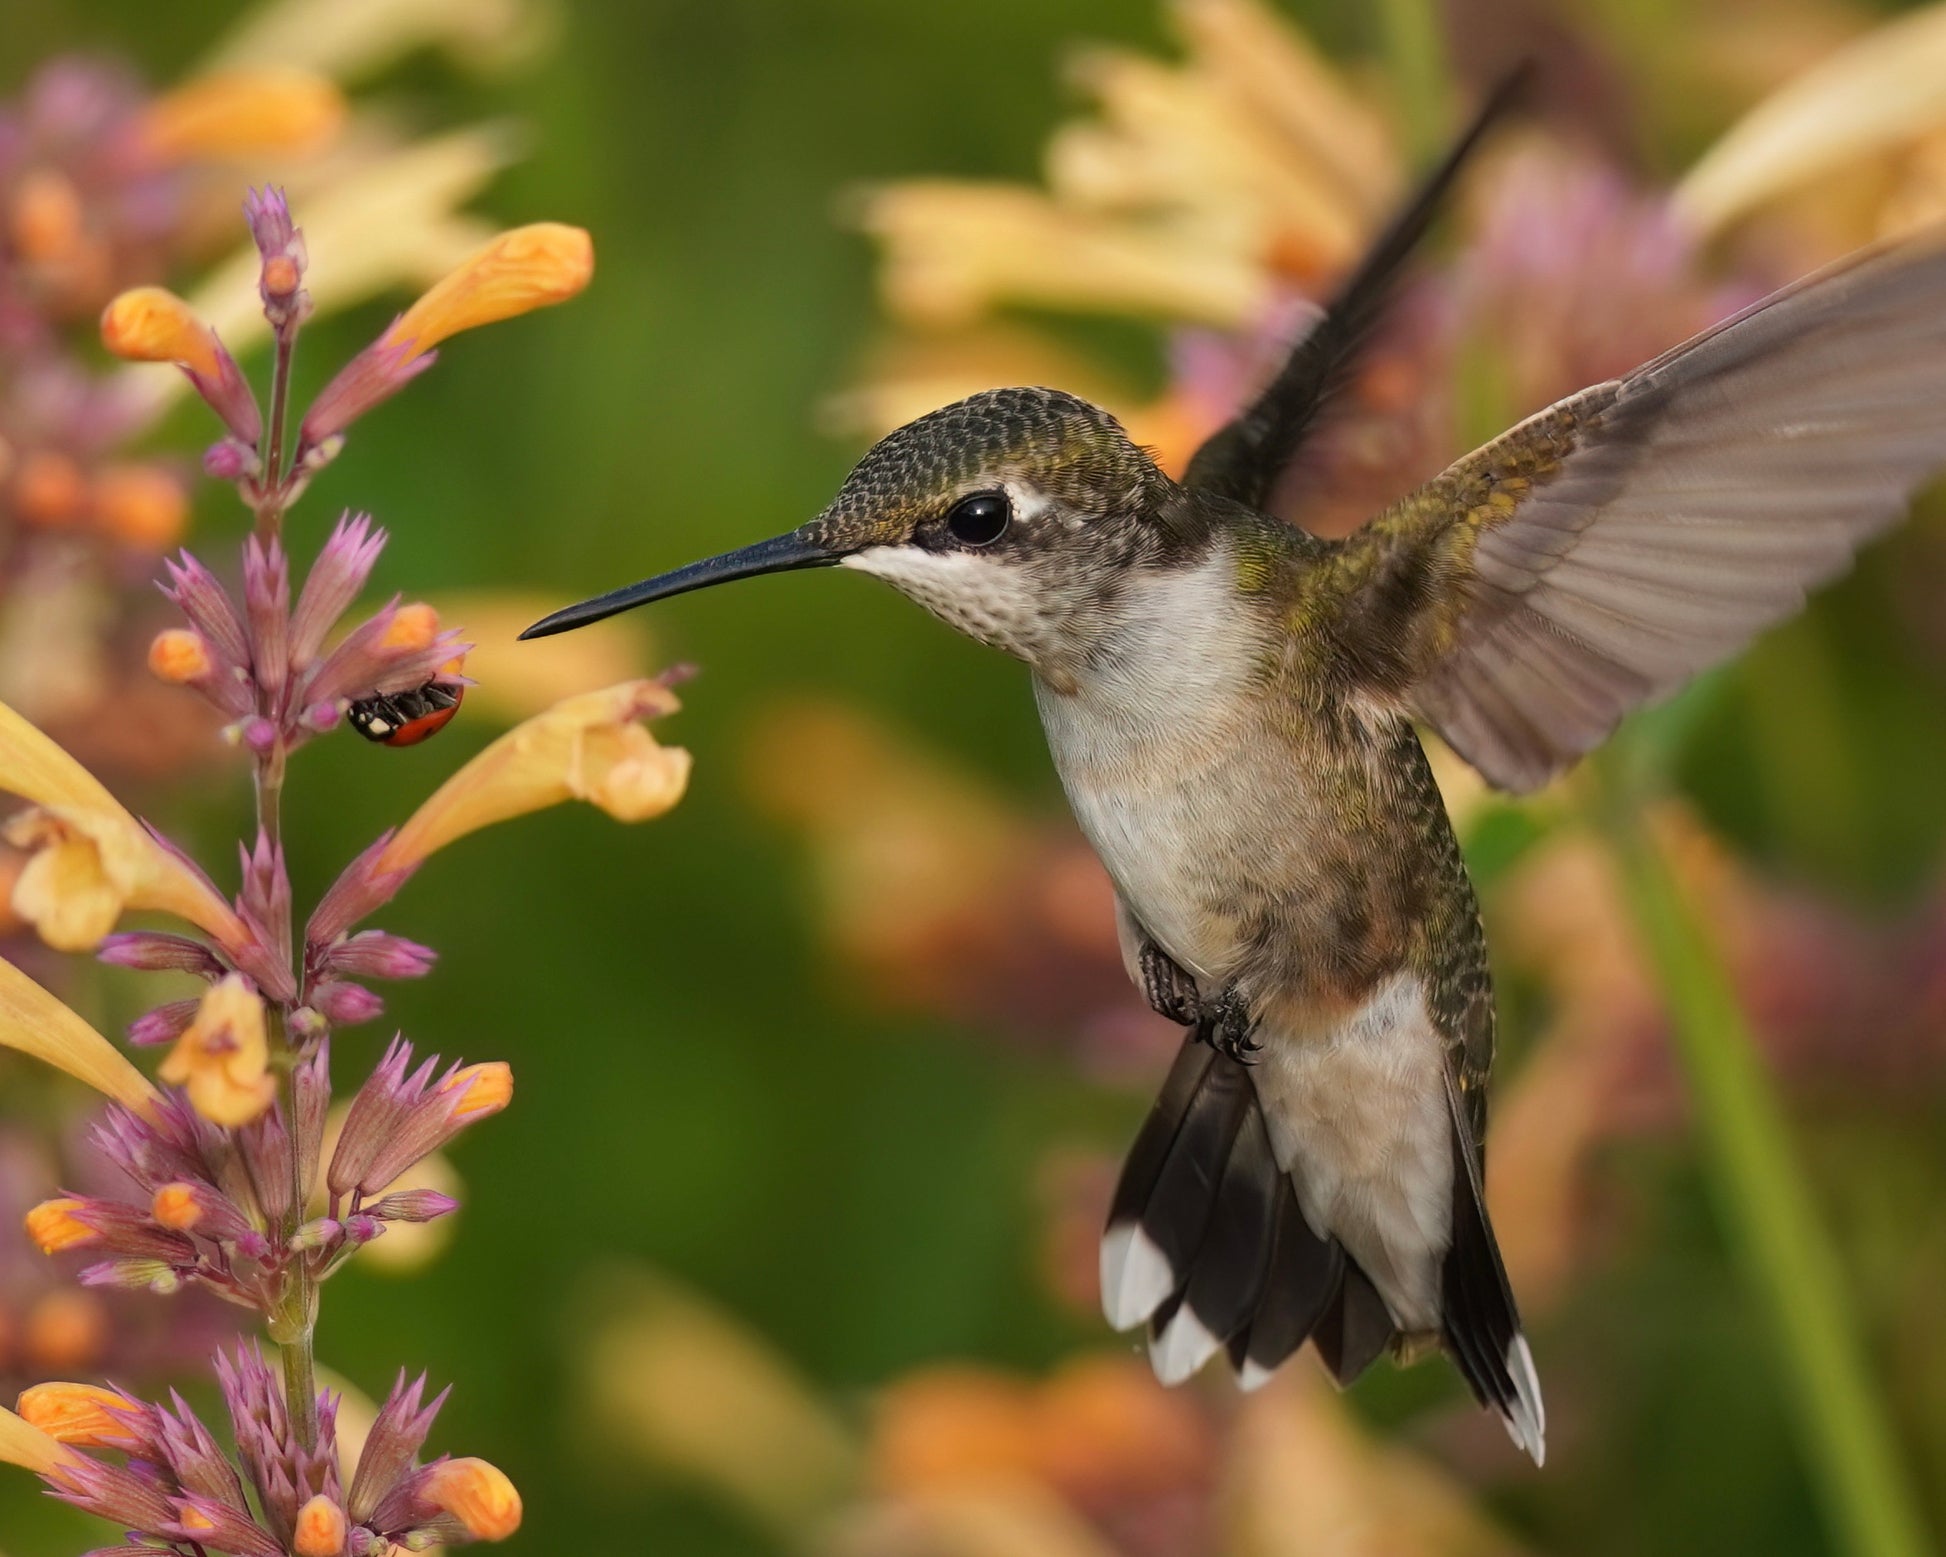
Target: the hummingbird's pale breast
pixel 1155 744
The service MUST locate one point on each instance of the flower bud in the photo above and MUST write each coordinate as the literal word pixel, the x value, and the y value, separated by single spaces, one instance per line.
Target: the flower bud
pixel 413 626
pixel 229 460
pixel 320 1530
pixel 413 1205
pixel 153 951
pixel 483 1090
pixel 152 324
pixel 378 954
pixel 345 1004
pixel 80 1414
pixel 165 1024
pixel 178 1206
pixel 179 655
pixel 323 1233
pixel 478 1495
pixel 53 1226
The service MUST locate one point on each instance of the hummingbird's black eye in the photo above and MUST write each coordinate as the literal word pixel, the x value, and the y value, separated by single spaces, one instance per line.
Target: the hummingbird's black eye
pixel 981 519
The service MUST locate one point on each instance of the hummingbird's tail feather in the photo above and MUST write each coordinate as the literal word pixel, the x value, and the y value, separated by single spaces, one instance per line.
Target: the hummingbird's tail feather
pixel 1207 1245
pixel 1478 1320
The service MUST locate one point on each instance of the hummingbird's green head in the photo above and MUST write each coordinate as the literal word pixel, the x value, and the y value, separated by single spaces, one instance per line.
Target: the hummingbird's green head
pixel 1016 516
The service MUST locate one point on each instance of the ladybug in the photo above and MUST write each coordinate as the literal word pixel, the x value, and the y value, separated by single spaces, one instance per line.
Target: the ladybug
pixel 406 718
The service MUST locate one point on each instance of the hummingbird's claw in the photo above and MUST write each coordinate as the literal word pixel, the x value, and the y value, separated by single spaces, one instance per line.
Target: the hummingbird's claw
pixel 1228 1027
pixel 1169 990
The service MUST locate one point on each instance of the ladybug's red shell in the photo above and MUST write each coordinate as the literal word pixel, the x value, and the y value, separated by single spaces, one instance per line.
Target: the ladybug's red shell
pixel 406 718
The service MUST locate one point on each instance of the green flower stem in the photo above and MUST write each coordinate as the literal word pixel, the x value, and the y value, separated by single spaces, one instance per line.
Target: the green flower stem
pixel 1769 1213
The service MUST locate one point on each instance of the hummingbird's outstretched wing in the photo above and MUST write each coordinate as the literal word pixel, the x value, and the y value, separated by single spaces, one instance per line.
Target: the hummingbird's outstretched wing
pixel 1611 546
pixel 1244 458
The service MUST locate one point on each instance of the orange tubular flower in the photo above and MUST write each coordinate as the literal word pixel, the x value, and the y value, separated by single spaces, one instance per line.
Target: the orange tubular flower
pixel 152 324
pixel 585 748
pixel 519 271
pixel 54 1227
pixel 478 1495
pixel 484 1089
pixel 92 860
pixel 83 1415
pixel 223 1059
pixel 262 109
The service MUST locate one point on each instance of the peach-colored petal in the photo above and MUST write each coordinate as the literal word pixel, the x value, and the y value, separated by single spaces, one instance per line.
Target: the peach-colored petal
pixel 152 324
pixel 223 1057
pixel 588 747
pixel 527 268
pixel 34 1022
pixel 94 859
pixel 25 1445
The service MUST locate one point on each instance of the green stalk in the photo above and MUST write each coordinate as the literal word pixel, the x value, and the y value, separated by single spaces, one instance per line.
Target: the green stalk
pixel 1770 1215
pixel 1416 51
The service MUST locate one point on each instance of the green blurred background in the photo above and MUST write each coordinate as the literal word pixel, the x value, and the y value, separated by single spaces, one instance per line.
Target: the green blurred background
pixel 699 1089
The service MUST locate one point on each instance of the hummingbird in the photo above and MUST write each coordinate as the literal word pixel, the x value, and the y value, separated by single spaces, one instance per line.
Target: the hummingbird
pixel 1233 706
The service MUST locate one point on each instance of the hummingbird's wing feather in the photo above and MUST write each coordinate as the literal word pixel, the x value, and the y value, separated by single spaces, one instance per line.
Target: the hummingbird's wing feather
pixel 1244 458
pixel 1610 547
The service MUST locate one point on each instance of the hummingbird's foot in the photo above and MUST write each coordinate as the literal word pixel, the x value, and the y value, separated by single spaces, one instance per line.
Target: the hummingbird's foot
pixel 1228 1027
pixel 1169 990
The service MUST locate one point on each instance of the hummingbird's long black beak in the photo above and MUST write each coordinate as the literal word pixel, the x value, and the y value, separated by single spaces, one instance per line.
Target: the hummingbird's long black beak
pixel 779 554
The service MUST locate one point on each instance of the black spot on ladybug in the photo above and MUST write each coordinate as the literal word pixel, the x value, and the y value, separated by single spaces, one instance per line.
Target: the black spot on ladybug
pixel 406 718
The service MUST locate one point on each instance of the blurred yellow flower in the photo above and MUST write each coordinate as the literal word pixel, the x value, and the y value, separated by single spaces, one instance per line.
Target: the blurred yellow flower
pixel 152 324
pixel 478 1495
pixel 269 108
pixel 35 1023
pixel 91 858
pixel 140 505
pixel 589 747
pixel 346 39
pixel 670 1381
pixel 521 270
pixel 27 1446
pixel 1192 188
pixel 1871 101
pixel 79 1414
pixel 223 1057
